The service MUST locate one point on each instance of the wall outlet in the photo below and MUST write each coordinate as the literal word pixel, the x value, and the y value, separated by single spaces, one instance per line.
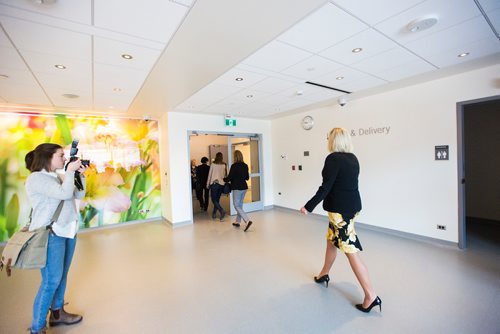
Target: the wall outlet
pixel 441 227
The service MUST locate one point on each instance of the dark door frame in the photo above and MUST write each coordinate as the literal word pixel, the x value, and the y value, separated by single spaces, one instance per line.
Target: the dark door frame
pixel 462 237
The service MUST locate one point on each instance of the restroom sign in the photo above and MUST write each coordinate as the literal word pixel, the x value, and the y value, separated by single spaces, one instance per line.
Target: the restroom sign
pixel 441 152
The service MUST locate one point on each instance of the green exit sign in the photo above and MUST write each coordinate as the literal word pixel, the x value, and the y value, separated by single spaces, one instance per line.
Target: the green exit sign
pixel 230 122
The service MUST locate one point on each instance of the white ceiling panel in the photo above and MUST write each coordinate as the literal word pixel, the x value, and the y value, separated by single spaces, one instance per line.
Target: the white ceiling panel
pixel 323 28
pixel 273 85
pixel 373 12
pixel 18 76
pixel 151 19
pixel 276 56
pixel 56 95
pixel 494 17
pixel 406 70
pixel 248 95
pixel 361 84
pixel 107 78
pixel 10 59
pixel 35 37
pixel 118 102
pixel 211 94
pixel 346 74
pixel 4 41
pixel 22 93
pixel 311 68
pixel 489 5
pixel 448 13
pixel 71 10
pixel 82 86
pixel 44 63
pixel 369 40
pixel 386 60
pixel 456 37
pixel 249 78
pixel 110 52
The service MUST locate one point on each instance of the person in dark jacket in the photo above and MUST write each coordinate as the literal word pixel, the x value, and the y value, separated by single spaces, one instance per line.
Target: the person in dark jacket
pixel 201 178
pixel 238 176
pixel 341 199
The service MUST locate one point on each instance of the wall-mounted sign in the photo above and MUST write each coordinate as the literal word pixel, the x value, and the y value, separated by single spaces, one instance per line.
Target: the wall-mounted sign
pixel 229 121
pixel 441 152
pixel 381 130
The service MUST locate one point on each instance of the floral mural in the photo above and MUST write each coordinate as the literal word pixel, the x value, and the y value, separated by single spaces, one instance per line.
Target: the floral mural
pixel 123 181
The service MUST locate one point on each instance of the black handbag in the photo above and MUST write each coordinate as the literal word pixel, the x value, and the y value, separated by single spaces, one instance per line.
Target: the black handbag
pixel 227 188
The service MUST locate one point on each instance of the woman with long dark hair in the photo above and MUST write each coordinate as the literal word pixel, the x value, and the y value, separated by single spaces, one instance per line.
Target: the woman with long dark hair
pixel 45 192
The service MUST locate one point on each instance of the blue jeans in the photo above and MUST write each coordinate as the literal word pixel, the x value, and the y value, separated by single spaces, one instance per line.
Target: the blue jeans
pixel 54 276
pixel 238 196
pixel 215 194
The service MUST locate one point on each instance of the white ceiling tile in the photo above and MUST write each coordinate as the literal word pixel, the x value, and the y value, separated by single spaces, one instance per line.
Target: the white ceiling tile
pixel 4 41
pixel 110 52
pixel 276 56
pixel 11 59
pixel 112 102
pixel 209 95
pixel 107 77
pixel 188 3
pixel 348 74
pixel 35 37
pixel 248 95
pixel 140 20
pixel 373 12
pixel 311 68
pixel 278 99
pixel 386 60
pixel 268 73
pixel 489 5
pixel 323 28
pixel 249 78
pixel 18 76
pixel 365 83
pixel 272 85
pixel 448 13
pixel 456 37
pixel 83 101
pixel 494 17
pixel 71 10
pixel 69 84
pixel 44 63
pixel 369 40
pixel 23 93
pixel 406 70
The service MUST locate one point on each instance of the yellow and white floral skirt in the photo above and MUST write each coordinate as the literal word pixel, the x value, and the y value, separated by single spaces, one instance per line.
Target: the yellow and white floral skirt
pixel 342 234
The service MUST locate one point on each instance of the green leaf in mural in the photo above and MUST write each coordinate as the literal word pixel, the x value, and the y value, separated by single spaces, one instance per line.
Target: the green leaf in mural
pixel 12 215
pixel 65 128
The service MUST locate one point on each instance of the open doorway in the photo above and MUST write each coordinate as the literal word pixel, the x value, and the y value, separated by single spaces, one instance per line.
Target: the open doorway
pixel 479 171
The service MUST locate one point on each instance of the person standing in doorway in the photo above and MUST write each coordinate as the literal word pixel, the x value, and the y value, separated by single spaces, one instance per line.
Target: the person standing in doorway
pixel 202 177
pixel 238 176
pixel 45 192
pixel 340 195
pixel 215 182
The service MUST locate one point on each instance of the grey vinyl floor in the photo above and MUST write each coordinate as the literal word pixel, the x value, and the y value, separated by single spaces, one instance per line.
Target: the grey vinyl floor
pixel 210 277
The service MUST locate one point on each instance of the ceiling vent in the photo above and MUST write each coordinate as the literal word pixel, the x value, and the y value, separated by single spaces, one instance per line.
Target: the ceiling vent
pixel 422 24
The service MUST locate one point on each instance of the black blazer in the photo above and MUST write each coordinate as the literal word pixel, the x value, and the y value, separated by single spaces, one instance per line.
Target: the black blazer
pixel 202 174
pixel 238 174
pixel 339 190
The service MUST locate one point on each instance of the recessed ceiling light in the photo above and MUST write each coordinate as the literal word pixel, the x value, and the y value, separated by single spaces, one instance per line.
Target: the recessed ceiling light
pixel 126 56
pixel 71 96
pixel 61 67
pixel 4 76
pixel 239 79
pixel 356 50
pixel 339 78
pixel 465 54
pixel 117 89
pixel 250 96
pixel 421 24
pixel 310 69
pixel 299 92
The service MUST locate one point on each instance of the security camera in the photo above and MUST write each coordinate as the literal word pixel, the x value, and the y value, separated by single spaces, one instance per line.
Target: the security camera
pixel 146 118
pixel 342 101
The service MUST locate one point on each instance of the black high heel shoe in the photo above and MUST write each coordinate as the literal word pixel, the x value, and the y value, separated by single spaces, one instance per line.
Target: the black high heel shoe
pixel 376 302
pixel 324 278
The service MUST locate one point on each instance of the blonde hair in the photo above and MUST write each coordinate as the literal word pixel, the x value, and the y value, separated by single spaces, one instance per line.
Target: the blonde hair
pixel 339 140
pixel 238 156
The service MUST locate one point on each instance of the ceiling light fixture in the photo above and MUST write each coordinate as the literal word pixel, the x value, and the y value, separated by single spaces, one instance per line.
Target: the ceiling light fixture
pixel 61 67
pixel 421 24
pixel 239 79
pixel 126 56
pixel 339 78
pixel 71 96
pixel 356 50
pixel 117 89
pixel 465 54
pixel 250 96
pixel 310 69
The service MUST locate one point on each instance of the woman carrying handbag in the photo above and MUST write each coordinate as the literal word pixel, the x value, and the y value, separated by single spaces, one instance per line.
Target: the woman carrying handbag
pixel 45 192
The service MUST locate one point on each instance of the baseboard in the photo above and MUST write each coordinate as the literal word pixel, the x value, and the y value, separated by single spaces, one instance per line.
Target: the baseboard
pixel 268 207
pixel 401 234
pixel 176 225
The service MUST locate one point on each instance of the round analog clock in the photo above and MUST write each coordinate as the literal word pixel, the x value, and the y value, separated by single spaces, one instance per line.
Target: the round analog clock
pixel 307 123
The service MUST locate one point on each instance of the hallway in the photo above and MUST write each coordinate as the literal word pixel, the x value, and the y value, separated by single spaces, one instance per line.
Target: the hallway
pixel 212 278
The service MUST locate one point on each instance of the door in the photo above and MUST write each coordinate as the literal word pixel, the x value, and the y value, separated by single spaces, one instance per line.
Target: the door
pixel 249 145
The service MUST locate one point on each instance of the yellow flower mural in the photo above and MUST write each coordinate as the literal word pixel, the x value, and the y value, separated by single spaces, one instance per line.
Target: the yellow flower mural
pixel 123 182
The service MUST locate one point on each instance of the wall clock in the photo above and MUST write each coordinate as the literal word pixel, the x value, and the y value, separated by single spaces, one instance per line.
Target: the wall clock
pixel 307 122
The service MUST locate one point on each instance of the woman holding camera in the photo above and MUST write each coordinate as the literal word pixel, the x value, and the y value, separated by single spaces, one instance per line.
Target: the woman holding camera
pixel 45 191
pixel 341 199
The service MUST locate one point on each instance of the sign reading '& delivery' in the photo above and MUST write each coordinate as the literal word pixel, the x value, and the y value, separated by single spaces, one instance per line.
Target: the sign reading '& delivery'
pixel 383 130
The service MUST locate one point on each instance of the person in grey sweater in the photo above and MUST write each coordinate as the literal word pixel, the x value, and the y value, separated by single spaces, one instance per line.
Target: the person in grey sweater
pixel 45 192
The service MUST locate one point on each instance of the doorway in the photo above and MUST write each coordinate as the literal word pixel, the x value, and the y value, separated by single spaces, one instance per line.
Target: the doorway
pixel 478 170
pixel 207 144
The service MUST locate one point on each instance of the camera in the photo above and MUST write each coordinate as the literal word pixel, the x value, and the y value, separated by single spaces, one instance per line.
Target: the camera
pixel 72 157
pixel 342 101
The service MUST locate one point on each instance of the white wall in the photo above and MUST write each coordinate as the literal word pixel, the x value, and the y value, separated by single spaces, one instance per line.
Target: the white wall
pixel 402 186
pixel 179 210
pixel 200 144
